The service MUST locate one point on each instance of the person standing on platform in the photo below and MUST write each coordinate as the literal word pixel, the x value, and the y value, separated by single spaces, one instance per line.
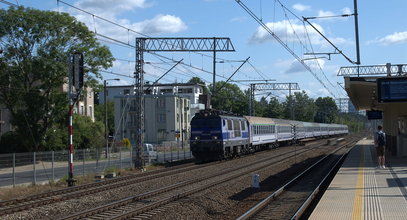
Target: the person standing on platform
pixel 380 142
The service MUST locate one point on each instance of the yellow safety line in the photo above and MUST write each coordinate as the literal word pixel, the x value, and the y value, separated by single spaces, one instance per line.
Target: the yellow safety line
pixel 358 198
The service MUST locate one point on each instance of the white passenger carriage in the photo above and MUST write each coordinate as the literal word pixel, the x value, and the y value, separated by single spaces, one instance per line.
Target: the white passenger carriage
pixel 284 130
pixel 263 132
pixel 309 129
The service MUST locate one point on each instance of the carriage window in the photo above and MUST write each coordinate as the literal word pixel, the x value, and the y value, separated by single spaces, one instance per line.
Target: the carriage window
pixel 230 125
pixel 243 125
pixel 224 122
pixel 236 125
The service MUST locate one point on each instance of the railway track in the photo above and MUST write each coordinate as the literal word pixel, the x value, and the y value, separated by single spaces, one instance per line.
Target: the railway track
pixel 291 200
pixel 16 205
pixel 154 201
pixel 34 201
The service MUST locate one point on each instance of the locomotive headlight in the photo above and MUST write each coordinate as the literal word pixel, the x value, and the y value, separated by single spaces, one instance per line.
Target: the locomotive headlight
pixel 214 137
pixel 196 137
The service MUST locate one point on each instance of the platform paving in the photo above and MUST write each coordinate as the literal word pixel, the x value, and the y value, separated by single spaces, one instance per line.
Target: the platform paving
pixel 362 191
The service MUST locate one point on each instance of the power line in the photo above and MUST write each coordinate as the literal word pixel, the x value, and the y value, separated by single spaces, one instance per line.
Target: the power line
pixel 115 41
pixel 104 19
pixel 113 73
pixel 254 16
pixel 8 3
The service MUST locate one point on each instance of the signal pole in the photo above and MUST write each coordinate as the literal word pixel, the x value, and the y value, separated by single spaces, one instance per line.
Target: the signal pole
pixel 75 80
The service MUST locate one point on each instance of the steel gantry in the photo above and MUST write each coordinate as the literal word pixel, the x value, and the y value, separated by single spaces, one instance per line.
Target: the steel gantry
pixel 386 69
pixel 267 87
pixel 213 44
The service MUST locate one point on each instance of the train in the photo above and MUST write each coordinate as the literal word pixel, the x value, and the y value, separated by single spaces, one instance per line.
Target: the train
pixel 217 135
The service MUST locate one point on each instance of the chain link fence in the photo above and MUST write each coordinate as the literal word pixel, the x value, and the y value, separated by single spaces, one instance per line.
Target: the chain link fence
pixel 50 166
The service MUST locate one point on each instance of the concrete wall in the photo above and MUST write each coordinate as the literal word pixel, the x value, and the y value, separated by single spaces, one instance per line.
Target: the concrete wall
pixel 392 113
pixel 165 116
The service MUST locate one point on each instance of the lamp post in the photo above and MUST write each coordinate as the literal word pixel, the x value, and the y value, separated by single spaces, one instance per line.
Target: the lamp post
pixel 106 132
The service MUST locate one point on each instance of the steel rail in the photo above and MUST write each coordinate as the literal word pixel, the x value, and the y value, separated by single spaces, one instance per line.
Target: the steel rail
pixel 110 207
pixel 15 205
pixel 262 204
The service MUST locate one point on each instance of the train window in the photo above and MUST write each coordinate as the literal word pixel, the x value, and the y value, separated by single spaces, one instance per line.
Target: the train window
pixel 224 122
pixel 229 125
pixel 236 125
pixel 243 125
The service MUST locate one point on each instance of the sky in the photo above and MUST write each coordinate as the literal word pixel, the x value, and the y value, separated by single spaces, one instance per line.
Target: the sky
pixel 382 37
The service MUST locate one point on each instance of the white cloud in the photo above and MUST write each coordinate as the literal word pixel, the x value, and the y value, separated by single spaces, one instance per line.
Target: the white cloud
pixel 291 31
pixel 322 13
pixel 332 16
pixel 287 31
pixel 395 38
pixel 109 6
pixel 238 19
pixel 346 11
pixel 301 7
pixel 296 67
pixel 161 24
pixel 111 10
pixel 317 92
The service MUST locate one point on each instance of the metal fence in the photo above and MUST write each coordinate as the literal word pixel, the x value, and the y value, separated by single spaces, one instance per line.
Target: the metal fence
pixel 39 167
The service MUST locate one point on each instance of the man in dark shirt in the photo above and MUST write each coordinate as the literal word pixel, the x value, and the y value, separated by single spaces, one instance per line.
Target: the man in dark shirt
pixel 379 140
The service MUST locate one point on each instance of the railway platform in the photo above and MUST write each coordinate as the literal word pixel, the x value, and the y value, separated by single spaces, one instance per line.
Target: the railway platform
pixel 361 191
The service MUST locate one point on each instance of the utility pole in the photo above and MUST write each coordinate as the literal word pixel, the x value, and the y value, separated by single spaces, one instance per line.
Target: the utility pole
pixel 291 103
pixel 106 130
pixel 214 66
pixel 355 13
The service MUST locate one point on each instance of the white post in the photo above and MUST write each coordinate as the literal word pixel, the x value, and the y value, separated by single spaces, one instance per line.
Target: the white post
pixel 52 164
pixel 14 167
pixel 34 171
pixel 83 161
pixel 120 155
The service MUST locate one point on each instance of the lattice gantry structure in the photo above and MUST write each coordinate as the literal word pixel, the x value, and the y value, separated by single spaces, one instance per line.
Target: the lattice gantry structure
pixel 167 45
pixel 268 87
pixel 387 69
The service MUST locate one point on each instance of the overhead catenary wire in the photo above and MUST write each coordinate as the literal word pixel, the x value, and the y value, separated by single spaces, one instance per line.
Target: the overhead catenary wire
pixel 285 45
pixel 130 30
pixel 8 3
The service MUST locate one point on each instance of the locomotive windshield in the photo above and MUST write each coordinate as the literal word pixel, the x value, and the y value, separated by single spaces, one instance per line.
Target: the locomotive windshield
pixel 206 123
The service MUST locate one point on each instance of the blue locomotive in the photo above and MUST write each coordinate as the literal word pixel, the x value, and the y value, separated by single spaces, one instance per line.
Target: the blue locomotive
pixel 218 135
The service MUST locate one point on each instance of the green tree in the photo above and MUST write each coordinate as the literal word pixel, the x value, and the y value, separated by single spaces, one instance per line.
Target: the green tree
pixel 355 122
pixel 326 110
pixel 229 97
pixel 199 81
pixel 87 134
pixel 275 109
pixel 261 107
pixel 36 46
pixel 100 115
pixel 303 107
